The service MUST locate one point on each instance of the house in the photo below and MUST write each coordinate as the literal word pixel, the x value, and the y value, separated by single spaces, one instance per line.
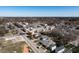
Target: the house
pixel 60 49
pixel 52 47
pixel 52 27
pixel 47 42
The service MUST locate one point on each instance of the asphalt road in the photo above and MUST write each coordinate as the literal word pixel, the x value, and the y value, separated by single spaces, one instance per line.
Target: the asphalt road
pixel 29 42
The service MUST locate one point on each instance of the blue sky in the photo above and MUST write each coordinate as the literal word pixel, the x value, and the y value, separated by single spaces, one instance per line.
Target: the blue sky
pixel 30 11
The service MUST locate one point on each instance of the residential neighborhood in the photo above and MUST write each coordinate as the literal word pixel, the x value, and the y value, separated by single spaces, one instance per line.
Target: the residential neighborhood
pixel 39 35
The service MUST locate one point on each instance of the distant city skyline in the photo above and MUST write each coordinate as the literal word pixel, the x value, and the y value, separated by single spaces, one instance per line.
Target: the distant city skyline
pixel 39 11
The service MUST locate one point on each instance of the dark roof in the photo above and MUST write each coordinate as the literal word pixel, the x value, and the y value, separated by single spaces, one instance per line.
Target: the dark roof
pixel 46 41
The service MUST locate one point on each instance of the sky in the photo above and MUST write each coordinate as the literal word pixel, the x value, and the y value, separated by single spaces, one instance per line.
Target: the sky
pixel 39 11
